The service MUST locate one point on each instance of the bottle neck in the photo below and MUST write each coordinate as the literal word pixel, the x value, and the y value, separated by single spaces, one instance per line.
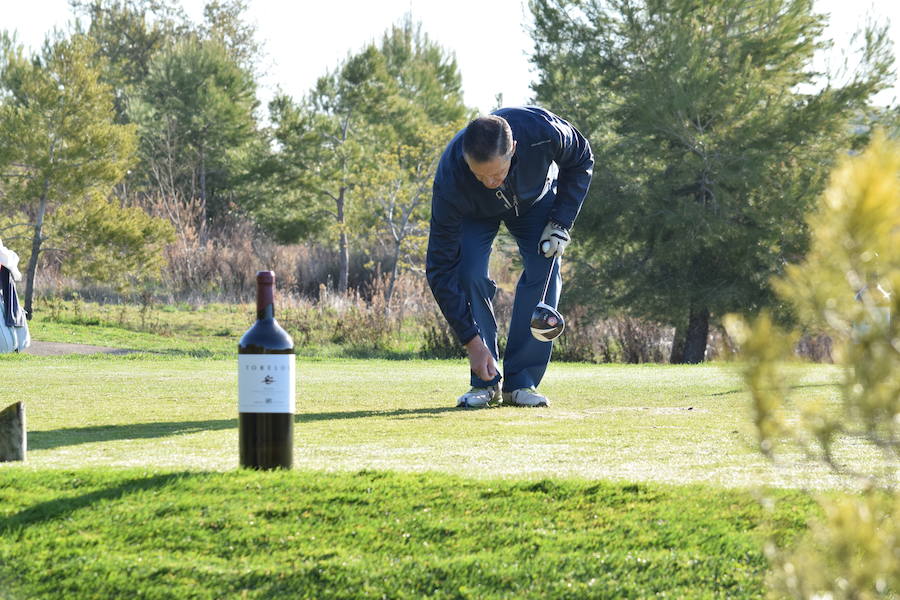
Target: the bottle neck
pixel 265 300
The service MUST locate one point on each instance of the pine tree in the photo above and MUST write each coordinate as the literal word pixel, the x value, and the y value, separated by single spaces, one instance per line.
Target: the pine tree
pixel 195 111
pixel 354 132
pixel 61 153
pixel 711 143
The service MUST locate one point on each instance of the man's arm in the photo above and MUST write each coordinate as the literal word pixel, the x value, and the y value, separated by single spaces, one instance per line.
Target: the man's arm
pixel 442 265
pixel 481 361
pixel 441 268
pixel 576 165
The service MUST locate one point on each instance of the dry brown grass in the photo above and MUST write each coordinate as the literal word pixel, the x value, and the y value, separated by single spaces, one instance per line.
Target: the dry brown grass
pixel 218 263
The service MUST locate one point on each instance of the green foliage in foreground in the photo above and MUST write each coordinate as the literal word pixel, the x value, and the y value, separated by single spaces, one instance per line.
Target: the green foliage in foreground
pixel 849 283
pixel 113 533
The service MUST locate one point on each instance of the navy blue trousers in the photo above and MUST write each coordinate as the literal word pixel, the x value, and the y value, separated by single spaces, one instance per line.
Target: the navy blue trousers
pixel 525 359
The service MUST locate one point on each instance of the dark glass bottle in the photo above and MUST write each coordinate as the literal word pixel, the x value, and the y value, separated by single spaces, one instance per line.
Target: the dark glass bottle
pixel 266 386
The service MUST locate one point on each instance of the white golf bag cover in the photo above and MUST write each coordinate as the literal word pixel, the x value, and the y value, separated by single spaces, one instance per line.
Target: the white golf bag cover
pixel 14 334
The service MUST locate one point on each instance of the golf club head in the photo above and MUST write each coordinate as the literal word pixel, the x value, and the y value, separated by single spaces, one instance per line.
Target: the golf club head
pixel 546 323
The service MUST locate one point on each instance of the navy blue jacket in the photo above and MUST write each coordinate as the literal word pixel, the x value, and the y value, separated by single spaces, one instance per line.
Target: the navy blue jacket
pixel 541 139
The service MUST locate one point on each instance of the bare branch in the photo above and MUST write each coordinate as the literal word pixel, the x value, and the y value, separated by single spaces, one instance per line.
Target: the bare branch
pixel 16 226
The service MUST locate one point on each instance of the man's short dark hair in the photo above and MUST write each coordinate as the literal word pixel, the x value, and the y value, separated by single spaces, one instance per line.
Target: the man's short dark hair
pixel 487 138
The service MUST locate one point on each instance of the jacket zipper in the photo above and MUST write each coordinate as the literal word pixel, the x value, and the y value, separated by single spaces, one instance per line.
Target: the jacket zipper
pixel 514 204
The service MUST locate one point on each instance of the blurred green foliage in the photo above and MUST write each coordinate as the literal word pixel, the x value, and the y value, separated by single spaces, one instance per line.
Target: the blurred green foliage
pixel 848 286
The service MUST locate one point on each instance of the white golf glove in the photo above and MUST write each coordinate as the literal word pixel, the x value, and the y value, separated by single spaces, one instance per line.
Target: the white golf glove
pixel 554 240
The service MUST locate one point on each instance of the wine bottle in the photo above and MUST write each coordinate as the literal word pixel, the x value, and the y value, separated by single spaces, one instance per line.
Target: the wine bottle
pixel 266 386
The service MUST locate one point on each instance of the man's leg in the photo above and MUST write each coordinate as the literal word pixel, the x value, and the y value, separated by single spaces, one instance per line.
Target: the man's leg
pixel 526 358
pixel 476 283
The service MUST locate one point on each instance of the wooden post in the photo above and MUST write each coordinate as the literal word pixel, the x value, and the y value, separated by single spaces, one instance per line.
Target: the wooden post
pixel 13 438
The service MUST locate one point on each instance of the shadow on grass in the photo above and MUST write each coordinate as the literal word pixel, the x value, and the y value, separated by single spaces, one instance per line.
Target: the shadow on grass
pixel 193 353
pixel 60 507
pixel 72 436
pixel 792 388
pixel 399 413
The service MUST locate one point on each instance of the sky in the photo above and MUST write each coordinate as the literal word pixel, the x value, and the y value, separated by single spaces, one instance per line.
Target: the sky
pixel 303 39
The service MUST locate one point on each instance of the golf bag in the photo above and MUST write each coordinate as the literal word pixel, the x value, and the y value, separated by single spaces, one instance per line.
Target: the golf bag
pixel 13 324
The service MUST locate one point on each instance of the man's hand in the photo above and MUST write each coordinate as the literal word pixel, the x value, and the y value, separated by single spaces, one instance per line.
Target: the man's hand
pixel 481 361
pixel 554 240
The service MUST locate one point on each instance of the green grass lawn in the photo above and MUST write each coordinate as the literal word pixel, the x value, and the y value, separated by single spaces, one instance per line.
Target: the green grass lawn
pixel 373 534
pixel 638 481
pixel 204 332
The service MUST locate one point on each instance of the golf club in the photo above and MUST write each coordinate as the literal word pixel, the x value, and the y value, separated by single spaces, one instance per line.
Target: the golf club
pixel 547 323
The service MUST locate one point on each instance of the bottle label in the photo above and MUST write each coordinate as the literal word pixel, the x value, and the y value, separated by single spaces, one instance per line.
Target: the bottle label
pixel 266 383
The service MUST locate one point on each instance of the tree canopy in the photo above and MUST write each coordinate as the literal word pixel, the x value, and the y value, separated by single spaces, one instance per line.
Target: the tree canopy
pixel 195 112
pixel 386 98
pixel 710 144
pixel 61 152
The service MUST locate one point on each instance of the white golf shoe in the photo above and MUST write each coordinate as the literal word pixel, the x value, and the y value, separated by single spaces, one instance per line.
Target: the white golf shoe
pixel 479 397
pixel 525 397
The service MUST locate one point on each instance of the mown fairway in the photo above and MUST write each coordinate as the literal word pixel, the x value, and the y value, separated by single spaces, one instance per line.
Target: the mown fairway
pixel 633 423
pixel 638 481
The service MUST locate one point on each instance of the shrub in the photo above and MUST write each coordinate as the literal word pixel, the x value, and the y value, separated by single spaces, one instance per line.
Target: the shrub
pixel 439 340
pixel 848 286
pixel 614 339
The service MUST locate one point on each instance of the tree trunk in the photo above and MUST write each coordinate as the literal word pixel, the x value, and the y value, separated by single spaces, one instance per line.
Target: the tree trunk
pixel 389 293
pixel 677 355
pixel 36 241
pixel 697 333
pixel 344 275
pixel 203 214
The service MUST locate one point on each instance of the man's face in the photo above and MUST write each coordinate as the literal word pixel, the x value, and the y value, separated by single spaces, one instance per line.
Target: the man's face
pixel 492 173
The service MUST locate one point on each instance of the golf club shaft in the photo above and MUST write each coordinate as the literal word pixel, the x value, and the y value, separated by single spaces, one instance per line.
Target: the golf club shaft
pixel 547 283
